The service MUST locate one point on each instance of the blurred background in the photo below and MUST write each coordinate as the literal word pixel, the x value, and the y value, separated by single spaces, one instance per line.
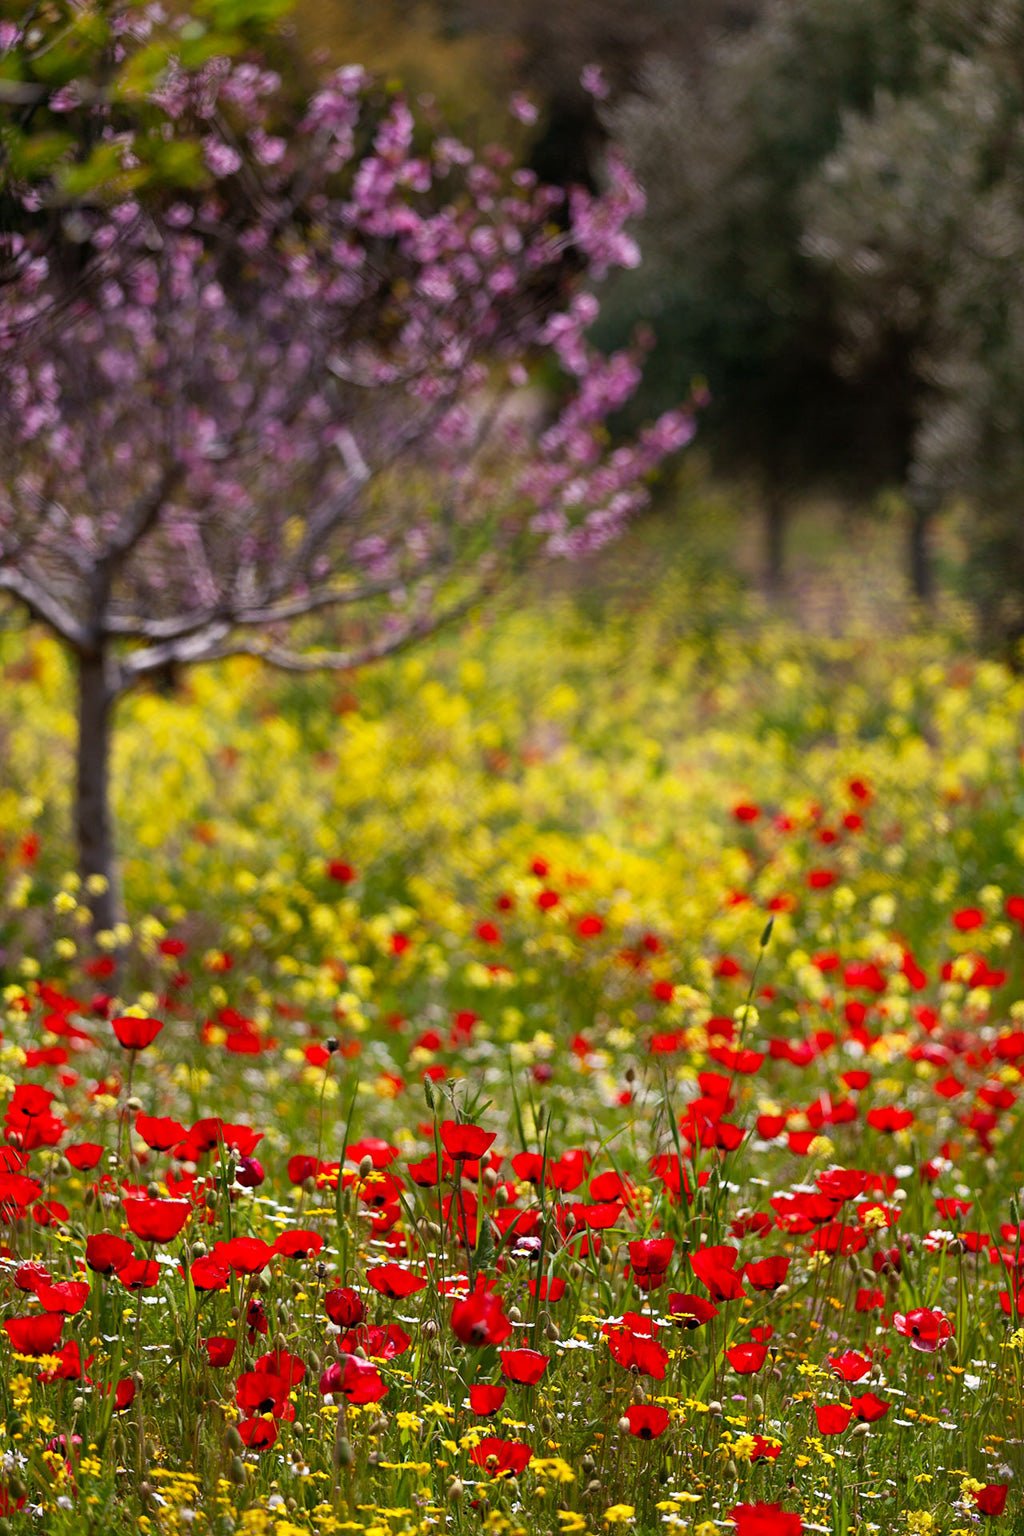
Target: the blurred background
pixel 833 246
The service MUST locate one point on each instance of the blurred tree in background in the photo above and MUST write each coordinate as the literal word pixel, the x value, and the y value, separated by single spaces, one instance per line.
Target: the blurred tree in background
pixel 917 219
pixel 726 152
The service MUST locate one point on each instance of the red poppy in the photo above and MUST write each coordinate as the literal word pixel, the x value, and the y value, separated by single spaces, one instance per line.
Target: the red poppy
pixel 135 1034
pixel 501 1458
pixel 465 1141
pixel 209 1274
pixel 394 1281
pixel 485 1400
pixel 832 1418
pixel 767 1274
pixel 991 1500
pixel 220 1351
pixel 344 1306
pixel 869 1408
pixel 279 1362
pixel 850 1366
pixel 355 1379
pixel 67 1297
pixel 765 1520
pixel 258 1434
pixel 36 1334
pixel 298 1244
pixel 747 1359
pixel 635 1352
pixel 159 1133
pixel 262 1391
pixel 245 1255
pixel 139 1274
pixel 156 1221
pixel 106 1253
pixel 646 1421
pixel 649 1260
pixel 479 1318
pixel 84 1155
pixel 928 1329
pixel 715 1269
pixel 691 1311
pixel 523 1366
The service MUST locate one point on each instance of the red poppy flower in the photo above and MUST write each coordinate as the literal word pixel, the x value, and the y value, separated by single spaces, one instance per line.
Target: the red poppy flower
pixel 245 1255
pixel 991 1500
pixel 36 1334
pixel 220 1351
pixel 501 1458
pixel 747 1359
pixel 159 1133
pixel 84 1155
pixel 258 1434
pixel 479 1318
pixel 261 1391
pixel 646 1421
pixel 766 1274
pixel 67 1297
pixel 649 1259
pixel 139 1274
pixel 156 1221
pixel 832 1418
pixel 394 1281
pixel 135 1034
pixel 355 1379
pixel 523 1366
pixel 634 1352
pixel 765 1520
pixel 465 1141
pixel 344 1306
pixel 928 1329
pixel 485 1400
pixel 279 1362
pixel 868 1408
pixel 106 1253
pixel 691 1311
pixel 209 1274
pixel 715 1269
pixel 850 1366
pixel 298 1244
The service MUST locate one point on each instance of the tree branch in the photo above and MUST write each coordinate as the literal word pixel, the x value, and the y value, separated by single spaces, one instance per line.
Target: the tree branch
pixel 44 607
pixel 202 648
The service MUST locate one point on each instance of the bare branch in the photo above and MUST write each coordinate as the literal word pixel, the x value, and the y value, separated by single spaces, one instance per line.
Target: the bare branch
pixel 42 605
pixel 143 514
pixel 201 648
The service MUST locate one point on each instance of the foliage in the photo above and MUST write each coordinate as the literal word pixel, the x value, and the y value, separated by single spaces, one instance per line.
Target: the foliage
pixel 523 883
pixel 917 217
pixel 83 115
pixel 308 391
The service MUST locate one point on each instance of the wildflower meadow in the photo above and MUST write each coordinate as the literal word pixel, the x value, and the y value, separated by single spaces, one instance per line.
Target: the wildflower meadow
pixel 565 1080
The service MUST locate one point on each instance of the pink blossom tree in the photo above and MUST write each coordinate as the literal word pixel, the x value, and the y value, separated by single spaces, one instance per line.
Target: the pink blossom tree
pixel 304 392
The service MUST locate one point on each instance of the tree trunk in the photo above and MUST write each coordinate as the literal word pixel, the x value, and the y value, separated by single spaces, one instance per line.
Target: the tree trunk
pixel 919 561
pixel 93 827
pixel 774 505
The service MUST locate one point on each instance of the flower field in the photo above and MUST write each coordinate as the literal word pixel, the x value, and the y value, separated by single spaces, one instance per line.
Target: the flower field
pixel 567 1080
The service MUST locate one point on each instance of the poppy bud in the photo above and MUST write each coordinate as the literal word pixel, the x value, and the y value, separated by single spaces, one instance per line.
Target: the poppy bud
pixel 594 1486
pixel 455 1491
pixel 715 1408
pixel 757 1403
pixel 232 1439
pixel 731 1470
pixel 365 1166
pixel 639 1396
pixel 624 1426
pixel 236 1472
pixel 344 1454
